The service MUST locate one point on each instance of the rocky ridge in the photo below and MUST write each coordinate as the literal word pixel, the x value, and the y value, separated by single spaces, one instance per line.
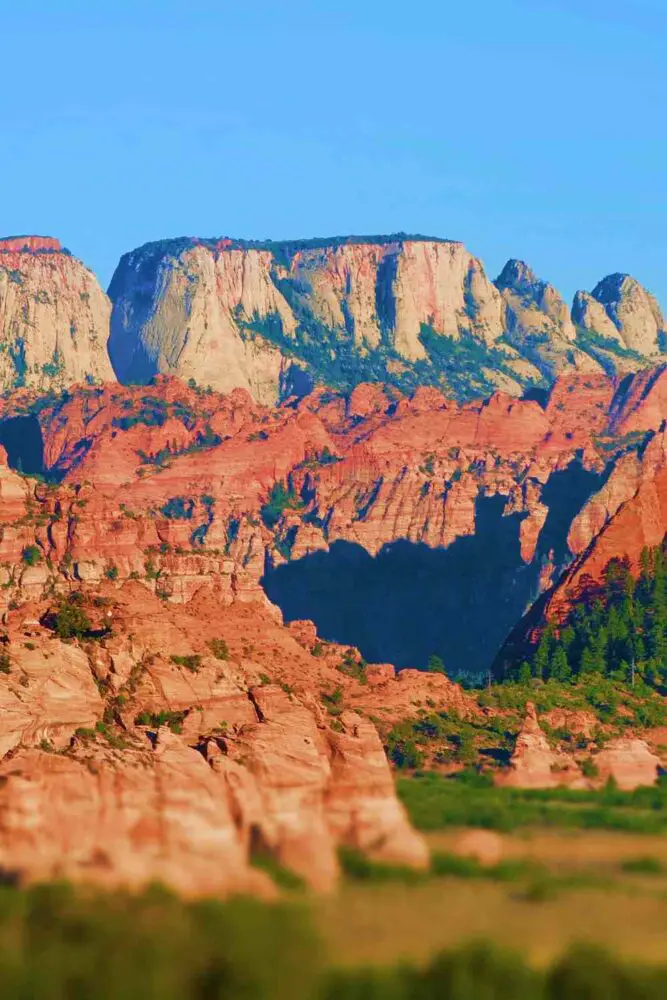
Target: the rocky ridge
pixel 278 318
pixel 275 318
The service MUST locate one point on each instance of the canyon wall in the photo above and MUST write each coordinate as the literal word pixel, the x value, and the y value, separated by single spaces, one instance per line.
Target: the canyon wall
pixel 370 513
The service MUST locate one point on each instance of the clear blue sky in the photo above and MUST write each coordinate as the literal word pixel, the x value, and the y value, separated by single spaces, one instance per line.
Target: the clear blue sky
pixel 527 128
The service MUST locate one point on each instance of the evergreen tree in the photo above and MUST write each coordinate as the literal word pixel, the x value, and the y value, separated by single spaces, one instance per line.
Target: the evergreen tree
pixel 559 667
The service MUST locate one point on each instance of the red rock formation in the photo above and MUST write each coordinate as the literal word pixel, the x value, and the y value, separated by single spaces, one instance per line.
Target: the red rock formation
pixel 189 757
pixel 534 763
pixel 167 482
pixel 629 762
pixel 33 244
pixel 234 314
pixel 160 515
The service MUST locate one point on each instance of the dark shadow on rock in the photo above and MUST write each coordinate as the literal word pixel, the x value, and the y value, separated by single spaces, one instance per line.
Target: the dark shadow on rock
pixel 411 601
pixel 21 437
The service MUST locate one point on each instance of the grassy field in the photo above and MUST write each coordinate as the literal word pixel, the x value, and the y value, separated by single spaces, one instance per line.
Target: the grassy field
pixel 560 913
pixel 607 888
pixel 435 802
pixel 586 866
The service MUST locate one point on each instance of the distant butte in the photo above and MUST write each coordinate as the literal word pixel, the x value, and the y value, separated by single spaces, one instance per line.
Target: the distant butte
pixel 32 244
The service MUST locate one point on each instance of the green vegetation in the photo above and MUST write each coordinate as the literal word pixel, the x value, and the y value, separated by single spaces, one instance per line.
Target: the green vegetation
pixel 457 364
pixel 645 865
pixel 281 498
pixel 599 347
pixel 435 665
pixel 359 867
pixel 204 440
pixel 470 799
pixel 462 361
pixel 191 662
pixel 620 635
pixel 333 700
pixel 32 555
pixel 69 620
pixel 174 720
pixel 353 665
pixel 480 971
pixel 283 877
pixel 55 366
pixel 219 649
pixel 57 942
pixel 178 509
pixel 448 738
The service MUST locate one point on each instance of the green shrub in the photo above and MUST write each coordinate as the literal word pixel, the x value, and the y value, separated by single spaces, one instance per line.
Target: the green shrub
pixel 358 867
pixel 178 509
pixel 219 649
pixel 174 720
pixel 646 865
pixel 479 971
pixel 587 972
pixel 445 864
pixel 70 621
pixel 333 700
pixel 589 768
pixel 31 555
pixel 191 662
pixel 281 498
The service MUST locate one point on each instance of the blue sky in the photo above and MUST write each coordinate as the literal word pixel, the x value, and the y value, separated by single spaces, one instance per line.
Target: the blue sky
pixel 527 128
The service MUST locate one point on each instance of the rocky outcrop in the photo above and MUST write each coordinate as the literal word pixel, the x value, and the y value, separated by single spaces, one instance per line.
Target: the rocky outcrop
pixel 276 318
pixel 54 317
pixel 231 314
pixel 538 321
pixel 620 309
pixel 164 750
pixel 534 763
pixel 629 762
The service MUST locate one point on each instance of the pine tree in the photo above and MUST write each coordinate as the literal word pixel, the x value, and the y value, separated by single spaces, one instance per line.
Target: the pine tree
pixel 541 658
pixel 559 667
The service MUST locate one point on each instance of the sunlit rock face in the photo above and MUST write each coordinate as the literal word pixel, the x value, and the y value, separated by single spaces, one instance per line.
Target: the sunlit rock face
pixel 54 317
pixel 277 318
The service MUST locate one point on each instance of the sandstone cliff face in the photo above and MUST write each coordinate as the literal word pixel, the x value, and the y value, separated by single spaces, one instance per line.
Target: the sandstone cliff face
pixel 54 317
pixel 276 318
pixel 170 749
pixel 239 315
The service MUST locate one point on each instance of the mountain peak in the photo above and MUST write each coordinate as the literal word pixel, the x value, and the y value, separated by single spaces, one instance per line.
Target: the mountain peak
pixel 519 277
